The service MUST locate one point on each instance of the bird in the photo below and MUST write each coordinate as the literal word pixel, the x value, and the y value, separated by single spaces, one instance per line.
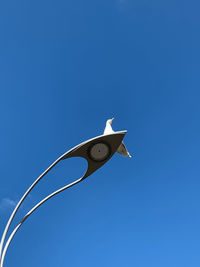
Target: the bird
pixel 122 148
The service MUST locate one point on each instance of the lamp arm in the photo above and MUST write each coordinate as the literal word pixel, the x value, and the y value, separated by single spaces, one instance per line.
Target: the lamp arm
pixel 21 201
pixel 30 212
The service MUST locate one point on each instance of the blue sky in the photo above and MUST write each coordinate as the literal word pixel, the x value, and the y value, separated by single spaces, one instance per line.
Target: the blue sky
pixel 65 68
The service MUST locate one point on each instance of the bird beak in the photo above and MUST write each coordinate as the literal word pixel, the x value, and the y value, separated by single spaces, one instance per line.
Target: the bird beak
pixel 112 119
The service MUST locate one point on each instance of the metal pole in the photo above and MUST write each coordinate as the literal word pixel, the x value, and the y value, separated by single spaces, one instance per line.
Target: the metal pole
pixel 21 201
pixel 30 212
pixel 27 192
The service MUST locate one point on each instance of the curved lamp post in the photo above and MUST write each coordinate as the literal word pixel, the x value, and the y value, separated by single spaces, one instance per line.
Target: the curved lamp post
pixel 97 151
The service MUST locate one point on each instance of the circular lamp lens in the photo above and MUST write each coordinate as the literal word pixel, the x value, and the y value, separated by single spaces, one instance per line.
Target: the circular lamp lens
pixel 99 151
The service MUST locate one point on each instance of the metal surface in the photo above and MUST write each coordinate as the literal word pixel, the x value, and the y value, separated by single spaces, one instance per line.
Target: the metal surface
pixel 97 151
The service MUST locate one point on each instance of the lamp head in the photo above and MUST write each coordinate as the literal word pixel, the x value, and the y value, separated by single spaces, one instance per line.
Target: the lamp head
pixel 97 151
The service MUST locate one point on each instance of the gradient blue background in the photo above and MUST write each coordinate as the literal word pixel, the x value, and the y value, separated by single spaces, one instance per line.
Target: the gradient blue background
pixel 65 68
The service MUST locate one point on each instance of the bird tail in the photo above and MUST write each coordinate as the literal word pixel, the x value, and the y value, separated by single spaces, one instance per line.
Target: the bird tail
pixel 129 155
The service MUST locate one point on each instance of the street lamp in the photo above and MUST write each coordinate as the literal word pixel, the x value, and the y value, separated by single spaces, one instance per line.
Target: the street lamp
pixel 97 151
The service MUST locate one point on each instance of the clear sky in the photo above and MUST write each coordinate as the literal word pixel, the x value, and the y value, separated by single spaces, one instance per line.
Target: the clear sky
pixel 65 68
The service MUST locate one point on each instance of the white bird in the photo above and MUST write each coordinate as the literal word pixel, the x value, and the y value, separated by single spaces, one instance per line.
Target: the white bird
pixel 121 149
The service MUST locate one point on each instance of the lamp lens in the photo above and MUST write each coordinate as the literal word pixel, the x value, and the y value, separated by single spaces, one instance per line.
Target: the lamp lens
pixel 99 151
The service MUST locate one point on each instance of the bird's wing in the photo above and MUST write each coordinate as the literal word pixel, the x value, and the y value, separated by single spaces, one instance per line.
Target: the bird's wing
pixel 122 150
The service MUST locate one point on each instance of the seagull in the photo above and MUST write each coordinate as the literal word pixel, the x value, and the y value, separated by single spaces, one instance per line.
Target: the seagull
pixel 121 149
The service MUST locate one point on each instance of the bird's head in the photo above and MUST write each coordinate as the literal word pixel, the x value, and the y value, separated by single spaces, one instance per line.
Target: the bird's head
pixel 110 121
